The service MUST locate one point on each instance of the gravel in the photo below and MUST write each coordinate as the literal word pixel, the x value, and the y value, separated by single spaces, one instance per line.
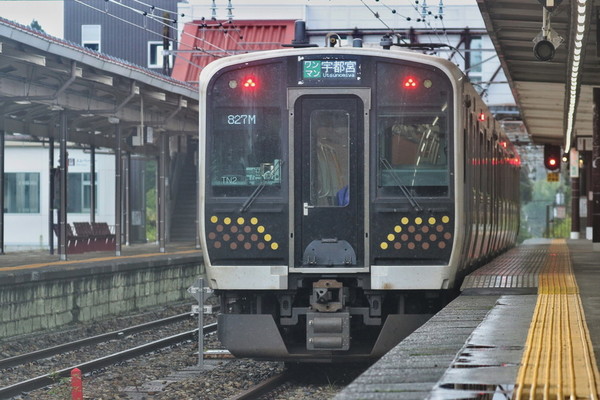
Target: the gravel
pixel 167 374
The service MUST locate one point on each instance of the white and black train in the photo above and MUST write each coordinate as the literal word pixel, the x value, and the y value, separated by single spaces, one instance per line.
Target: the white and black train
pixel 344 195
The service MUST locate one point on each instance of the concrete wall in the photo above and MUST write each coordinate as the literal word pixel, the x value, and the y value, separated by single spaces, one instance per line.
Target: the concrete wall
pixel 52 298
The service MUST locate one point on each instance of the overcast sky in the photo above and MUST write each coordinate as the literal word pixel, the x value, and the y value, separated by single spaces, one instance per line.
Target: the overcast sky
pixel 49 13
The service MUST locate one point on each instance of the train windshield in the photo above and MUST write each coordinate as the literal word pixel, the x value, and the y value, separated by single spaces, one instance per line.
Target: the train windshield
pixel 414 120
pixel 245 136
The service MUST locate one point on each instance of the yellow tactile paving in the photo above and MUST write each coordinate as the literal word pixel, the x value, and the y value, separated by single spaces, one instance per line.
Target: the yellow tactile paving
pixel 558 362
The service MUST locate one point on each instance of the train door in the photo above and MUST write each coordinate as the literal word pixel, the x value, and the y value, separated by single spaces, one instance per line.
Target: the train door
pixel 329 189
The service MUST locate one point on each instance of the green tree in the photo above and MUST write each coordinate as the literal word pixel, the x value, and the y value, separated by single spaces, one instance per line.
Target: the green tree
pixel 36 25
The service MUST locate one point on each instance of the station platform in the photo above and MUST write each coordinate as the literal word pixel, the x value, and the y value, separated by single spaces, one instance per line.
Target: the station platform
pixel 40 291
pixel 527 325
pixel 24 262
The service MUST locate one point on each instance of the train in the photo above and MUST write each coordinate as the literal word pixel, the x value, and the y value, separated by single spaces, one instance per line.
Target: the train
pixel 345 193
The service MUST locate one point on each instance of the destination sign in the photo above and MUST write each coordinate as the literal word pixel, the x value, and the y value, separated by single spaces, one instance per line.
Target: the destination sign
pixel 330 69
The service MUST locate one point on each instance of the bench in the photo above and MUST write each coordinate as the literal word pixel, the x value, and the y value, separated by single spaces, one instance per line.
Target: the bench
pixel 84 231
pixel 75 243
pixel 106 240
pixel 88 237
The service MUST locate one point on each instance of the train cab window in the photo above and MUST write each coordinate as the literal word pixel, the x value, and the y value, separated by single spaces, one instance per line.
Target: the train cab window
pixel 245 132
pixel 248 152
pixel 329 158
pixel 413 131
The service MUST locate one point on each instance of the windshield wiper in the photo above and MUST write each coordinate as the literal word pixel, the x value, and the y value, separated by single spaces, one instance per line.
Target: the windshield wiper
pixel 413 202
pixel 258 189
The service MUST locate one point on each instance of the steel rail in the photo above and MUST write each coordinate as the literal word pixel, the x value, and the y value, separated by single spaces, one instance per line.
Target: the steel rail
pixel 86 367
pixel 62 348
pixel 264 387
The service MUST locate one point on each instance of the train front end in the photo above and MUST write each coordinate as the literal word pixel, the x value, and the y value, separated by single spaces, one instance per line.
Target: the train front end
pixel 327 199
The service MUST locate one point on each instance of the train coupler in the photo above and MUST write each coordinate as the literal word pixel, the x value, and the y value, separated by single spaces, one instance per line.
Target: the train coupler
pixel 327 296
pixel 328 331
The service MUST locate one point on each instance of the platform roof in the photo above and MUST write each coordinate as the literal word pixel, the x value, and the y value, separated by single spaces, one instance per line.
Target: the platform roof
pixel 41 75
pixel 542 88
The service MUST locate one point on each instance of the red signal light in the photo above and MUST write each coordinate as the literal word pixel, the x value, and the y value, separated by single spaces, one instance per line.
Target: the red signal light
pixel 481 117
pixel 552 157
pixel 249 82
pixel 409 83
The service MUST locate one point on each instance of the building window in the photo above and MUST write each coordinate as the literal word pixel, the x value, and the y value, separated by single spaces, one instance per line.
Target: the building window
pixel 155 55
pixel 22 192
pixel 79 188
pixel 476 71
pixel 90 36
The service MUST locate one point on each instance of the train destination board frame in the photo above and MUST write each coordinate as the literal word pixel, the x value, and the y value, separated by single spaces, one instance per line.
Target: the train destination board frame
pixel 319 71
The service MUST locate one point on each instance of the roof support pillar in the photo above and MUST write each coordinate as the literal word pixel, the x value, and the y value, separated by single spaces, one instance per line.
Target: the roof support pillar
pixel 127 194
pixel 596 172
pixel 2 154
pixel 62 211
pixel 575 214
pixel 93 184
pixel 162 191
pixel 118 189
pixel 51 200
pixel 586 190
pixel 574 172
pixel 197 224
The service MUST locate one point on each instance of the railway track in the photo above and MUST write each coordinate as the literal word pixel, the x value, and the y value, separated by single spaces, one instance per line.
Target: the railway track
pixel 264 387
pixel 98 363
pixel 77 344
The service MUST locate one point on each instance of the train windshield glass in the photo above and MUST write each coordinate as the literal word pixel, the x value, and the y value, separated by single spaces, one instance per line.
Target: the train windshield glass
pixel 245 136
pixel 413 123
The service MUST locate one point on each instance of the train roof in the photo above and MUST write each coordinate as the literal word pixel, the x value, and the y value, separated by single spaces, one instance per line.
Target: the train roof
pixel 448 67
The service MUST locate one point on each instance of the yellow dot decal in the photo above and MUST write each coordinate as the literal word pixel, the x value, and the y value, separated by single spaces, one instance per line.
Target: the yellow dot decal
pixel 227 221
pixel 445 219
pixel 404 221
pixel 274 246
pixel 391 237
pixel 214 219
pixel 418 220
pixel 260 229
pixel 431 221
pixel 254 220
pixel 397 229
pixel 267 238
pixel 384 245
pixel 240 221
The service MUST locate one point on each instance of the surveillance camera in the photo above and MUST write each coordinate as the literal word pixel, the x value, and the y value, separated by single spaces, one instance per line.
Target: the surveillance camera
pixel 544 50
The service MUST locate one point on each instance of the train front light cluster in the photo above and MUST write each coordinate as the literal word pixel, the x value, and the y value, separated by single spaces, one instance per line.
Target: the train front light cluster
pixel 419 233
pixel 239 234
pixel 412 82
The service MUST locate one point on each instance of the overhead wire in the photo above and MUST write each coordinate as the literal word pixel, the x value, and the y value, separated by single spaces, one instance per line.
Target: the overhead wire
pixel 180 44
pixel 376 15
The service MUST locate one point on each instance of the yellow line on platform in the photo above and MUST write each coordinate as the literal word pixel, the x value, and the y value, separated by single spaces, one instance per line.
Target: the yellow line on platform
pixel 90 260
pixel 558 361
